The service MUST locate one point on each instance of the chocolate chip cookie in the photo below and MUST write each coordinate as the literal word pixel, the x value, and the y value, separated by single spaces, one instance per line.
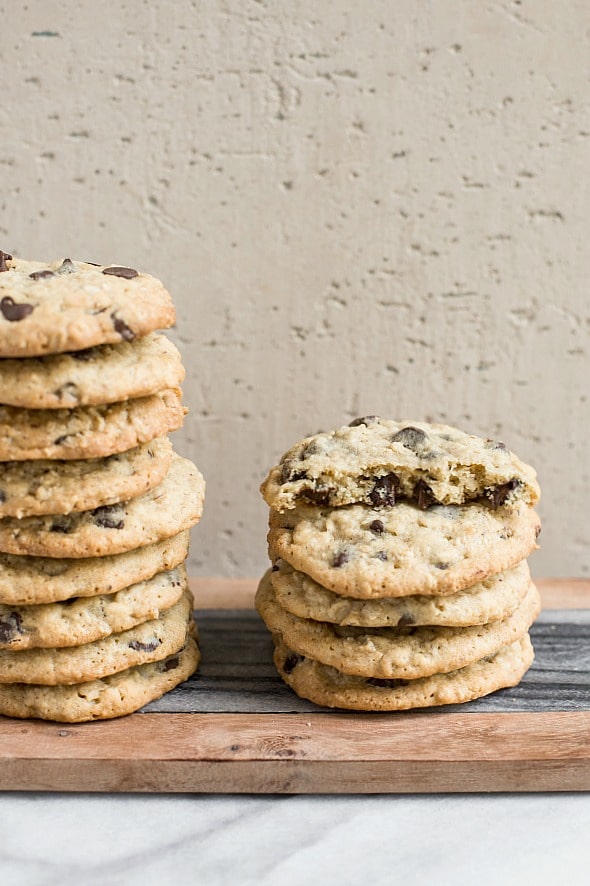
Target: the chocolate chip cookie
pixel 378 462
pixel 173 506
pixel 64 305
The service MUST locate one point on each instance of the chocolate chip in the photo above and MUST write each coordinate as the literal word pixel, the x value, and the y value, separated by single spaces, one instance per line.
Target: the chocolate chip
pixel 2 496
pixel 109 517
pixel 274 568
pixel 317 496
pixel 364 420
pixel 67 267
pixel 381 555
pixel 441 565
pixel 170 664
pixel 291 662
pixel 377 527
pixel 537 531
pixel 384 491
pixel 411 438
pixel 386 684
pixel 14 312
pixel 423 495
pixel 61 524
pixel 69 389
pixel 10 627
pixel 121 327
pixel 4 257
pixel 41 275
pixel 405 620
pixel 499 494
pixel 340 559
pixel 289 475
pixel 94 264
pixel 127 273
pixel 138 646
pixel 59 440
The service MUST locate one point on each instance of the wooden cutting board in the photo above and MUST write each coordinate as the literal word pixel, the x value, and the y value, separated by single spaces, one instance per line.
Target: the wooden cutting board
pixel 236 728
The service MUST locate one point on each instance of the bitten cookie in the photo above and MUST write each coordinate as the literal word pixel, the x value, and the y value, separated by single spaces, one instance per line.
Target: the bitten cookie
pixel 176 504
pixel 27 581
pixel 399 551
pixel 378 462
pixel 81 620
pixel 150 641
pixel 48 308
pixel 106 374
pixel 487 601
pixel 88 431
pixel 406 652
pixel 112 696
pixel 31 488
pixel 326 686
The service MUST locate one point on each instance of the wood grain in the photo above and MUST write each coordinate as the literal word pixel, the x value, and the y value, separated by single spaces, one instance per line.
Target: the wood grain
pixel 533 738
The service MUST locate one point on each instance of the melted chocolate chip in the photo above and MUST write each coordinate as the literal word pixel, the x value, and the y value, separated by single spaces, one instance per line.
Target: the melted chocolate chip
pixel 381 555
pixel 364 420
pixel 499 494
pixel 127 273
pixel 441 565
pixel 109 517
pixel 138 646
pixel 386 684
pixel 377 527
pixel 405 620
pixel 170 664
pixel 14 312
pixel 288 475
pixel 274 568
pixel 41 275
pixel 411 438
pixel 384 491
pixel 59 440
pixel 69 390
pixel 121 327
pixel 10 627
pixel 317 496
pixel 340 559
pixel 67 267
pixel 537 531
pixel 291 662
pixel 423 495
pixel 61 524
pixel 2 496
pixel 4 257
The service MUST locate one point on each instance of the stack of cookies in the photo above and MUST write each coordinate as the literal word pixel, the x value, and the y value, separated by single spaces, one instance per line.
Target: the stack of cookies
pixel 95 611
pixel 399 577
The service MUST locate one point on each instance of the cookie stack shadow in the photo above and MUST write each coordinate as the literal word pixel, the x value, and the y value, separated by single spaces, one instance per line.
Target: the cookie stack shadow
pixel 399 576
pixel 96 616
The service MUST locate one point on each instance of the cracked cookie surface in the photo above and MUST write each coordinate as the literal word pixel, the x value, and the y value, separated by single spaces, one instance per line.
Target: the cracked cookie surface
pixel 379 462
pixel 64 305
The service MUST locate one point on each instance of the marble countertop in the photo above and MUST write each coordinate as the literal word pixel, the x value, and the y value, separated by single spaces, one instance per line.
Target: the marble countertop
pixel 108 839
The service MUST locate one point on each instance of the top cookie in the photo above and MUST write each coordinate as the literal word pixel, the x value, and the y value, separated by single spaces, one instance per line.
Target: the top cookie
pixel 48 308
pixel 376 462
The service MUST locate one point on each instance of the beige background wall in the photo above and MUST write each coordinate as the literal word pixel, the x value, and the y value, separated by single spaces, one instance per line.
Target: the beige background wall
pixel 358 206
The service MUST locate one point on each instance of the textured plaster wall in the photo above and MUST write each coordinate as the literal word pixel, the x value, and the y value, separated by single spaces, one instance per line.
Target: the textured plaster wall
pixel 360 206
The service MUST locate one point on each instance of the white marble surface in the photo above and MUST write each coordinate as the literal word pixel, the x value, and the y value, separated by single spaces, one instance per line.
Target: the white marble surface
pixel 106 840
